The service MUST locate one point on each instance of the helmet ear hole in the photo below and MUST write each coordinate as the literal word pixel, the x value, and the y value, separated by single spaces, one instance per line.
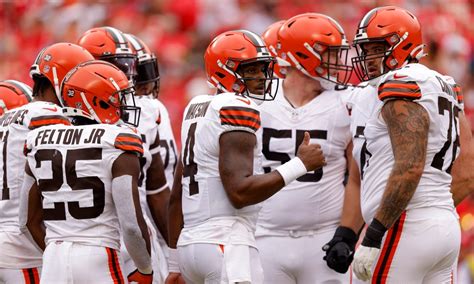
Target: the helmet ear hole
pixel 104 105
pixel 406 47
pixel 302 55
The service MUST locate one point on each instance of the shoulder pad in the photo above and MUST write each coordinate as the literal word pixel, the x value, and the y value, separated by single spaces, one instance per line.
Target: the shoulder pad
pixel 128 140
pixel 237 111
pixel 411 72
pixel 44 113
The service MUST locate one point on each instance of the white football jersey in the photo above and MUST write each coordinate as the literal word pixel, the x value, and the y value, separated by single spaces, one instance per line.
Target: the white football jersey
pixel 148 129
pixel 73 168
pixel 362 104
pixel 204 199
pixel 14 126
pixel 168 149
pixel 436 93
pixel 314 199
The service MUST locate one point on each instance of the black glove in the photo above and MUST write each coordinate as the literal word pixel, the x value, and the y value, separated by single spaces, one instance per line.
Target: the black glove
pixel 340 250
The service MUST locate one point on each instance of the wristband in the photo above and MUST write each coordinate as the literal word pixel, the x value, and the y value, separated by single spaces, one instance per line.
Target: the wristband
pixel 374 234
pixel 173 263
pixel 292 170
pixel 347 235
pixel 158 190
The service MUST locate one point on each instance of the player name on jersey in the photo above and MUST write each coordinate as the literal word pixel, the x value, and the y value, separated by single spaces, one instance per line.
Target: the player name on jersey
pixel 197 110
pixel 71 136
pixel 13 117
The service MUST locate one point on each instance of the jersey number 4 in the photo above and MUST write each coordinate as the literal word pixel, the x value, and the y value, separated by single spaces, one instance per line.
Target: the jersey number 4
pixel 190 168
pixel 269 133
pixel 75 182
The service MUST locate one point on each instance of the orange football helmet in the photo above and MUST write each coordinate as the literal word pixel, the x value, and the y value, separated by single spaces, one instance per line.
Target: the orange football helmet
pixel 13 94
pixel 54 61
pixel 147 66
pixel 398 29
pixel 316 45
pixel 109 44
pixel 270 37
pixel 97 90
pixel 230 51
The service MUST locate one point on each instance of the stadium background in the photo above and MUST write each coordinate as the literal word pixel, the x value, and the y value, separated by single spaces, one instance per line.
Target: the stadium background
pixel 178 31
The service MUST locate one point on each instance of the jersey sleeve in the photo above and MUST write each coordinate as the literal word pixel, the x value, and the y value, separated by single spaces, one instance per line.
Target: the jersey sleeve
pixel 129 141
pixel 240 116
pixel 399 89
pixel 42 114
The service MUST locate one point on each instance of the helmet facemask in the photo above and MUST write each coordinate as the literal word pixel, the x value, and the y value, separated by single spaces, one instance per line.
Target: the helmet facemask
pixel 148 72
pixel 256 87
pixel 334 65
pixel 362 62
pixel 129 112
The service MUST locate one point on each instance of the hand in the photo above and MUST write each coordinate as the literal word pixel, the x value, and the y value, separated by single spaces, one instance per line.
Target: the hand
pixel 140 278
pixel 364 260
pixel 340 249
pixel 174 278
pixel 311 154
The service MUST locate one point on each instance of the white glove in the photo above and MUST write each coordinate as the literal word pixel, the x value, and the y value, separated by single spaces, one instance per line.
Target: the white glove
pixel 364 260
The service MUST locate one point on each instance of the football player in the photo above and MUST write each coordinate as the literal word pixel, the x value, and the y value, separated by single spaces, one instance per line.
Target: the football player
pixel 156 130
pixel 81 183
pixel 20 258
pixel 316 48
pixel 411 144
pixel 270 37
pixel 363 103
pixel 109 44
pixel 219 187
pixel 13 94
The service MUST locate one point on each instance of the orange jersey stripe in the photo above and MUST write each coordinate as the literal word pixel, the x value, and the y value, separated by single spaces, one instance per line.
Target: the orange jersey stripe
pixel 240 121
pixel 399 89
pixel 239 113
pixel 131 148
pixel 43 122
pixel 128 139
pixel 384 95
pixel 413 86
pixel 243 123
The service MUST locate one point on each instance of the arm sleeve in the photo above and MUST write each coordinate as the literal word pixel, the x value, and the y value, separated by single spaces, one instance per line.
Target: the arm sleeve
pixel 129 142
pixel 234 118
pixel 132 235
pixel 397 89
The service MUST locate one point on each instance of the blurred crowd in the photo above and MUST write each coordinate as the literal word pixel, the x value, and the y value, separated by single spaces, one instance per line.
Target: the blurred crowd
pixel 179 31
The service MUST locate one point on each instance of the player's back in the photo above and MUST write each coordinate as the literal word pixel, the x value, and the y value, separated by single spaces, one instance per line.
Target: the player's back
pixel 168 148
pixel 14 126
pixel 318 194
pixel 437 95
pixel 205 119
pixel 73 167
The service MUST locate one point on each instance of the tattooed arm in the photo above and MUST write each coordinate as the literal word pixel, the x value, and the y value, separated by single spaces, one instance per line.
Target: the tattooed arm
pixel 408 125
